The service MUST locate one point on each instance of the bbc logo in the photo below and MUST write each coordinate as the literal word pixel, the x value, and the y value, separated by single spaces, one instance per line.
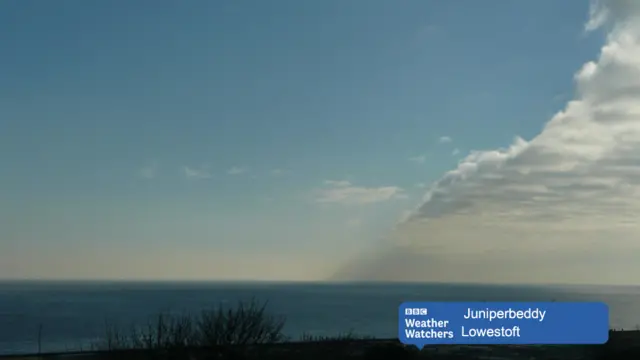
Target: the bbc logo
pixel 415 311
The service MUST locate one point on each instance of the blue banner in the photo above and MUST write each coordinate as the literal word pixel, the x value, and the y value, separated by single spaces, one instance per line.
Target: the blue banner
pixel 430 323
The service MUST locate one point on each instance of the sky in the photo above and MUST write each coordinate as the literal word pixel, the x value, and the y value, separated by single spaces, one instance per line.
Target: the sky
pixel 302 141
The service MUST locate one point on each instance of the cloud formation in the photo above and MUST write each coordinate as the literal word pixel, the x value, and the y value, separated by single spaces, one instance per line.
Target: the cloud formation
pixel 420 159
pixel 197 173
pixel 562 207
pixel 445 139
pixel 278 172
pixel 236 170
pixel 343 192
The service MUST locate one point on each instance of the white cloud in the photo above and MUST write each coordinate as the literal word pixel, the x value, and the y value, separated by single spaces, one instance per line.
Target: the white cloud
pixel 445 139
pixel 562 207
pixel 149 171
pixel 598 15
pixel 278 172
pixel 337 183
pixel 236 170
pixel 420 159
pixel 343 192
pixel 197 173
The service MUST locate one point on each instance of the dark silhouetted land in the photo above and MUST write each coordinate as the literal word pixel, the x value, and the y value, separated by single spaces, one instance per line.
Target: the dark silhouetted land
pixel 247 332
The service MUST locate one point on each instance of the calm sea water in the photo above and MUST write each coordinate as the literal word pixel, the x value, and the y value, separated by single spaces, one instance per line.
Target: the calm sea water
pixel 72 315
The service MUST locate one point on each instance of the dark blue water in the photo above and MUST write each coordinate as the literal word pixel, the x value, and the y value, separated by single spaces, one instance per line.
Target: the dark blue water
pixel 74 314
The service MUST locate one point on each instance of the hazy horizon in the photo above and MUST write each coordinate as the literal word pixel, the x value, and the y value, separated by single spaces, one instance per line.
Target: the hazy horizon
pixel 456 142
pixel 314 283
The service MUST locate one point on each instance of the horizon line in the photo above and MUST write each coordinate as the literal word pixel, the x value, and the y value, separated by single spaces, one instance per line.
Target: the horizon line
pixel 300 282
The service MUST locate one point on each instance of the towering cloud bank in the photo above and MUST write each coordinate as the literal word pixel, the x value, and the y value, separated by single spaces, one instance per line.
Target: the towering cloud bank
pixel 562 207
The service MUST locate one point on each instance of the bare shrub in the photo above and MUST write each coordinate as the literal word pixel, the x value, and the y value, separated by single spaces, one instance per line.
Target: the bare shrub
pixel 245 324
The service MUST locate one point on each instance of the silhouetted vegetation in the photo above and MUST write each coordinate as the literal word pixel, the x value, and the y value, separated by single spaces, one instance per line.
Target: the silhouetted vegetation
pixel 245 324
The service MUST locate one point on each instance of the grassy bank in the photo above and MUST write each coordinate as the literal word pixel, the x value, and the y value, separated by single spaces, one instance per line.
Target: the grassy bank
pixel 247 331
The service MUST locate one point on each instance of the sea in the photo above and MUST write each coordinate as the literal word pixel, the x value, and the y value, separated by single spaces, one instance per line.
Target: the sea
pixel 70 316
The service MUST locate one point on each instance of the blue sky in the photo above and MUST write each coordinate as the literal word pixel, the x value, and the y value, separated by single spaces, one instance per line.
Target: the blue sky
pixel 121 122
